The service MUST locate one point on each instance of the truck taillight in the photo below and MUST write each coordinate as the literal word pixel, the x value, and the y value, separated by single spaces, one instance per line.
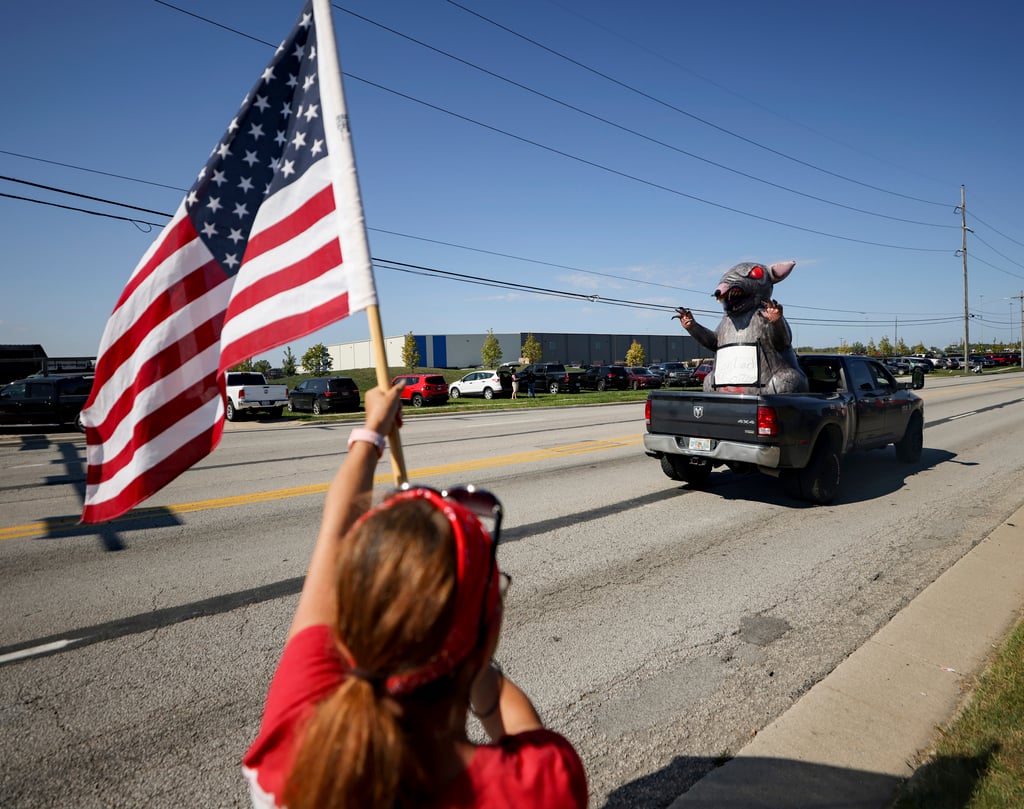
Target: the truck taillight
pixel 241 394
pixel 647 411
pixel 767 422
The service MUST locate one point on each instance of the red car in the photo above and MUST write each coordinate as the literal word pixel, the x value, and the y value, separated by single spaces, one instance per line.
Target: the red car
pixel 702 371
pixel 423 389
pixel 642 378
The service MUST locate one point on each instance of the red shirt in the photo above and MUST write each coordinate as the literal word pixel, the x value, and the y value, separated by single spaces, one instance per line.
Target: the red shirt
pixel 537 769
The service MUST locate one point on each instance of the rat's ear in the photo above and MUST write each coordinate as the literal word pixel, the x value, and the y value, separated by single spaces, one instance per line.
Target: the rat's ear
pixel 780 269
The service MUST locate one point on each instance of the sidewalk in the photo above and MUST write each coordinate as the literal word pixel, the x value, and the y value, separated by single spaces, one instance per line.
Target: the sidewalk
pixel 851 739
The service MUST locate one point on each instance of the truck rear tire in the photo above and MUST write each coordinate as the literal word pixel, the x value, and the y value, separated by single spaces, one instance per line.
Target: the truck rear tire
pixel 230 413
pixel 818 482
pixel 553 387
pixel 908 448
pixel 668 466
pixel 693 471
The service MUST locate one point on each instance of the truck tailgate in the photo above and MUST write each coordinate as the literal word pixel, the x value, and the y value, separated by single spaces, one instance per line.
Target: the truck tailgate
pixel 725 416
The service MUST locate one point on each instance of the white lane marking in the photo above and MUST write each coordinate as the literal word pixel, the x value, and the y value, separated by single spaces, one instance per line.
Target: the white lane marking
pixel 964 415
pixel 37 650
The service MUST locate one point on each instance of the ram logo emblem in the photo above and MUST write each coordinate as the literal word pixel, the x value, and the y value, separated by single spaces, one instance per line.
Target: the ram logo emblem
pixel 698 412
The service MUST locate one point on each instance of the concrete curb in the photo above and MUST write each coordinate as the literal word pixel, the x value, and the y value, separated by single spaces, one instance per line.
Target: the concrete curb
pixel 856 735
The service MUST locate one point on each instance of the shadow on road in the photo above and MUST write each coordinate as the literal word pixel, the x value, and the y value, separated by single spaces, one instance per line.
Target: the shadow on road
pixel 778 783
pixel 73 472
pixel 866 476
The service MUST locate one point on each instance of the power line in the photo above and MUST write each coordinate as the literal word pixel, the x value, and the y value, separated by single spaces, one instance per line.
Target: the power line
pixel 616 172
pixel 588 296
pixel 649 183
pixel 686 113
pixel 634 132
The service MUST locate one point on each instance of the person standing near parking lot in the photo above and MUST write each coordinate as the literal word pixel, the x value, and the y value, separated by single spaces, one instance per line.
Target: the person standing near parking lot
pixel 391 646
pixel 515 384
pixel 531 379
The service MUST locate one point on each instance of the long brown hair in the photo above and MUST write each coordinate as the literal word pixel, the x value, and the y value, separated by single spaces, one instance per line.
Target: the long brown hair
pixel 396 583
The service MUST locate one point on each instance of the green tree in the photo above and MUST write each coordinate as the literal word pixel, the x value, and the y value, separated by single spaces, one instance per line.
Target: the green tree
pixel 263 366
pixel 288 364
pixel 885 346
pixel 491 351
pixel 245 365
pixel 858 348
pixel 531 350
pixel 919 349
pixel 635 355
pixel 901 348
pixel 870 349
pixel 410 353
pixel 317 360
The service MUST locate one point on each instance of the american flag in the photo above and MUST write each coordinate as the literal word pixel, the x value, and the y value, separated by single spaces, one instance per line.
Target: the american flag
pixel 268 245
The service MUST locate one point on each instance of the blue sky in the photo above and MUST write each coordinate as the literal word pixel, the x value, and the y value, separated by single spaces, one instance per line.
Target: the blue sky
pixel 731 131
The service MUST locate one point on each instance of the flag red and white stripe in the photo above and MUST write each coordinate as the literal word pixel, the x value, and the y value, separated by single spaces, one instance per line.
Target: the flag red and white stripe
pixel 268 246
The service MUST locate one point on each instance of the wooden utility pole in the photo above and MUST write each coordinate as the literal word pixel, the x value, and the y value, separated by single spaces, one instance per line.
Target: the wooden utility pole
pixel 963 251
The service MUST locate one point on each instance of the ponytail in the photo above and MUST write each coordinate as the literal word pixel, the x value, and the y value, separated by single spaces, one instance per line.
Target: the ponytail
pixel 361 747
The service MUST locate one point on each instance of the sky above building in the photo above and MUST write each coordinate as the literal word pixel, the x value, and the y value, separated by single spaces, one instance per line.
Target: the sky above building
pixel 618 157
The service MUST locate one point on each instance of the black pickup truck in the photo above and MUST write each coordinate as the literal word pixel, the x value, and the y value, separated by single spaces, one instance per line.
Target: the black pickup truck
pixel 854 403
pixel 45 400
pixel 550 376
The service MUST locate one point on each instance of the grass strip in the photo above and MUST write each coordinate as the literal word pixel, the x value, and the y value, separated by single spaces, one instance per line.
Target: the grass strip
pixel 978 760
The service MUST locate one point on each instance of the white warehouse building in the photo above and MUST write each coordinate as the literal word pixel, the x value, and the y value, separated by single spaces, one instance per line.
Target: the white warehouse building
pixel 464 350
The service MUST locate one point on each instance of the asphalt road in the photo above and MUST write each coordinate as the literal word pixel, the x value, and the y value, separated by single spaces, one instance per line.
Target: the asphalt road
pixel 656 626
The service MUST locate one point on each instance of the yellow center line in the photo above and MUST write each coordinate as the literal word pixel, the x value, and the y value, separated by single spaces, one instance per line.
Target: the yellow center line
pixel 53 526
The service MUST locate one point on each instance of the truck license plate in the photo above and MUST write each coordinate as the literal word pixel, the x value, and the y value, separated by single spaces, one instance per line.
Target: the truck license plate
pixel 700 444
pixel 265 404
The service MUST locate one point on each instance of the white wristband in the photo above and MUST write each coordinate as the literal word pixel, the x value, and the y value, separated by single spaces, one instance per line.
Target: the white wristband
pixel 369 436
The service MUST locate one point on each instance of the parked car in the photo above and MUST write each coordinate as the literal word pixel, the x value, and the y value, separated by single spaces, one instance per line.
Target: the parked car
pixel 702 371
pixel 483 383
pixel 897 365
pixel 45 400
pixel 421 389
pixel 640 378
pixel 323 394
pixel 676 374
pixel 605 377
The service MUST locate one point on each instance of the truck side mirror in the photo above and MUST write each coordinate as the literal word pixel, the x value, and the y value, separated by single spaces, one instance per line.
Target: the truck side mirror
pixel 917 377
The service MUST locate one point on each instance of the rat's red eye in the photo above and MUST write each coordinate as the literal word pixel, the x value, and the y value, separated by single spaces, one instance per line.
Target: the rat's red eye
pixel 756 272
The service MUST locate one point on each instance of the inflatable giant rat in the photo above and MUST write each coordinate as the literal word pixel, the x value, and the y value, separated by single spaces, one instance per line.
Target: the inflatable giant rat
pixel 753 344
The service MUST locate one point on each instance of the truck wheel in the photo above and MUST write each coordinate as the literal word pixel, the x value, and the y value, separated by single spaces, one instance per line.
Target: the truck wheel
pixel 602 385
pixel 488 393
pixel 78 423
pixel 818 482
pixel 668 466
pixel 291 407
pixel 454 393
pixel 230 413
pixel 276 412
pixel 553 387
pixel 417 400
pixel 908 448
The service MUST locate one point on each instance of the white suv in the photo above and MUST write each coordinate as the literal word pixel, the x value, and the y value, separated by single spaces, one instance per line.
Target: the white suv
pixel 482 383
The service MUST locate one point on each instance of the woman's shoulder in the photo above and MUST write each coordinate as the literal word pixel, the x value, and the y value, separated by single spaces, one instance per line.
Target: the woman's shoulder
pixel 539 769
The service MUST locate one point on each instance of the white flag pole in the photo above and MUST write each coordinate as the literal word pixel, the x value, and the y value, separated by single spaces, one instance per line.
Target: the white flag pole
pixel 349 202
